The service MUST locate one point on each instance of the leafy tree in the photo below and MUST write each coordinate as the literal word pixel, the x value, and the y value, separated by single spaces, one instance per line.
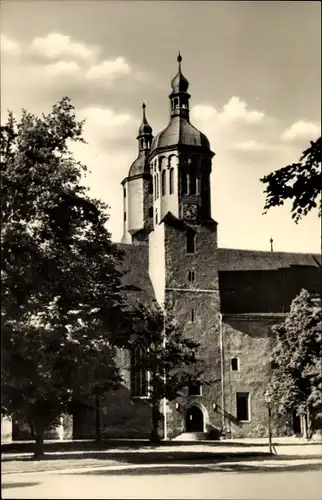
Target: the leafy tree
pixel 170 357
pixel 296 377
pixel 61 301
pixel 300 182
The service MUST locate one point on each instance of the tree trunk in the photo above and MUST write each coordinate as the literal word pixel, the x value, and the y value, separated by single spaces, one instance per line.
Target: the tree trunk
pixel 155 437
pixel 97 418
pixel 39 431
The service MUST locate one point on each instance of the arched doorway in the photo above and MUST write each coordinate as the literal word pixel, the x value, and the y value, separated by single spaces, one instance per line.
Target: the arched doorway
pixel 194 420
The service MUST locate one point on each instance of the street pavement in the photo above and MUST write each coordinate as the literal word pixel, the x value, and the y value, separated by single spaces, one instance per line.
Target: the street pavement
pixel 260 479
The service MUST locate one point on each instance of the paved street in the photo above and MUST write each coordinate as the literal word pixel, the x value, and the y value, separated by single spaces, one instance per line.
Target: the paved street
pixel 290 479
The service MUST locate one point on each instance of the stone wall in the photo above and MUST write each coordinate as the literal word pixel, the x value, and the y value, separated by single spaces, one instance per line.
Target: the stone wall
pixel 249 338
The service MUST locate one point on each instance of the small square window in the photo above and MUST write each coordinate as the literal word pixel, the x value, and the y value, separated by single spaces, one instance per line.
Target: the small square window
pixel 194 389
pixel 235 364
pixel 242 404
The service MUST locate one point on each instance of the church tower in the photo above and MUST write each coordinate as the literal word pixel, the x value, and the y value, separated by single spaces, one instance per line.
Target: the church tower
pixel 183 263
pixel 137 190
pixel 180 162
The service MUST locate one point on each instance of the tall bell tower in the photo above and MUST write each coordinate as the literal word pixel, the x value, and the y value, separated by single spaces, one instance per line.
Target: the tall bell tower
pixel 183 263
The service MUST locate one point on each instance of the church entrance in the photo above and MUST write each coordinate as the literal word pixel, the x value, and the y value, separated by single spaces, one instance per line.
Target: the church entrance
pixel 194 420
pixel 297 427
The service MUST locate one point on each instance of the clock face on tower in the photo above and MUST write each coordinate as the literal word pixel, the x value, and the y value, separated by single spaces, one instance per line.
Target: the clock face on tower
pixel 189 211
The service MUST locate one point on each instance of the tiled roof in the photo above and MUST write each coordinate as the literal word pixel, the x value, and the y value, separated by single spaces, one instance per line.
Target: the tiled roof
pixel 265 282
pixel 135 266
pixel 249 281
pixel 252 260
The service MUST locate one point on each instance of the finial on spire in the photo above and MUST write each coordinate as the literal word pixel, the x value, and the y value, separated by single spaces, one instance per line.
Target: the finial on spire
pixel 271 242
pixel 179 58
pixel 143 105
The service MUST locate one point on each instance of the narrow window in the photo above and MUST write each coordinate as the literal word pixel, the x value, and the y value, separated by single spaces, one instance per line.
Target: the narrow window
pixel 192 315
pixel 124 216
pixel 157 187
pixel 193 181
pixel 171 180
pixel 242 404
pixel 139 375
pixel 142 143
pixel 191 241
pixel 150 211
pixel 235 364
pixel 163 182
pixel 191 276
pixel 184 183
pixel 150 186
pixel 156 217
pixel 124 192
pixel 194 389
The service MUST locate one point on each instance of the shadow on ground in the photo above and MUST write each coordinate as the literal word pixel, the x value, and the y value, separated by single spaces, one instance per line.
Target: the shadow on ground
pixel 221 467
pixel 148 457
pixel 62 446
pixel 17 485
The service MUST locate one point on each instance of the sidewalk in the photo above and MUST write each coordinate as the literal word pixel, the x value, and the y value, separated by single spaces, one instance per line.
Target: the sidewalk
pixel 148 455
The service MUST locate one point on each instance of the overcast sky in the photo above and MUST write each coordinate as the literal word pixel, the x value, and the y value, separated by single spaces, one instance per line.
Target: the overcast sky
pixel 255 78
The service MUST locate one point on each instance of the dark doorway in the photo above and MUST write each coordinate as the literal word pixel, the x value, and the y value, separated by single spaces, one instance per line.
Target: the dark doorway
pixel 194 419
pixel 297 428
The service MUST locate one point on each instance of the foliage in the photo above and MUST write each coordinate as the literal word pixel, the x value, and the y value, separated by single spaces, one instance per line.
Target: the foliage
pixel 296 356
pixel 170 357
pixel 61 302
pixel 300 182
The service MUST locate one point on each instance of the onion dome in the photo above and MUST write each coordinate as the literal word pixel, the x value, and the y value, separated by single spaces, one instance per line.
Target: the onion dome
pixel 179 132
pixel 179 82
pixel 145 128
pixel 141 165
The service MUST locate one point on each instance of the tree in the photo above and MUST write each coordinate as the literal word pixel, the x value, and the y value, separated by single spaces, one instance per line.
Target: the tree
pixel 170 357
pixel 300 182
pixel 296 377
pixel 61 302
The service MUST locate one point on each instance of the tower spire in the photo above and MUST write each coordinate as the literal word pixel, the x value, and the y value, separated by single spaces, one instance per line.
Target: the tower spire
pixel 145 131
pixel 179 95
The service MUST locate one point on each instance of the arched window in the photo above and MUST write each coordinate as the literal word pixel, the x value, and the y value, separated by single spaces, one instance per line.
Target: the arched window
pixel 191 241
pixel 139 375
pixel 193 180
pixel 163 180
pixel 184 183
pixel 171 180
pixel 157 186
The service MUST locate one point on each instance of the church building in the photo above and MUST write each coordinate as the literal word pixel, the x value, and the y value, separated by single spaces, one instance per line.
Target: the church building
pixel 227 299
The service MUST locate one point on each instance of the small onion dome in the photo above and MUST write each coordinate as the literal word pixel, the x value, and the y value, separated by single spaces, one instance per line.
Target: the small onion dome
pixel 140 165
pixel 145 128
pixel 179 132
pixel 179 82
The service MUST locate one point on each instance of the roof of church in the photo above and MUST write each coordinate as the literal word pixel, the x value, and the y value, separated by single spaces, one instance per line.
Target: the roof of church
pixel 179 132
pixel 231 259
pixel 250 281
pixel 140 165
